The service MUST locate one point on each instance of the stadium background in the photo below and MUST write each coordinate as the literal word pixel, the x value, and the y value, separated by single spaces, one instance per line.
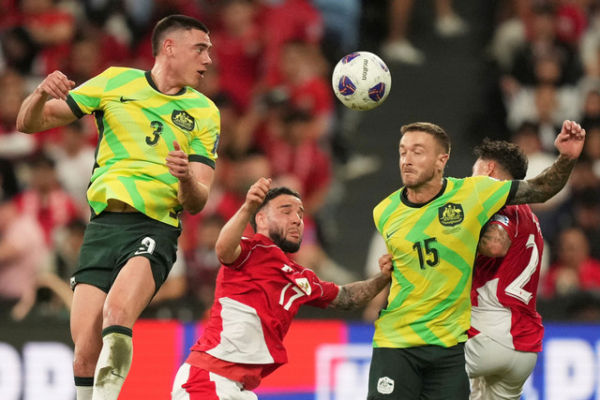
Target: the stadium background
pixel 454 88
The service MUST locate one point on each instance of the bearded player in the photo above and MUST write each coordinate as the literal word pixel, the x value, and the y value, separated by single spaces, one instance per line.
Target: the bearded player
pixel 259 290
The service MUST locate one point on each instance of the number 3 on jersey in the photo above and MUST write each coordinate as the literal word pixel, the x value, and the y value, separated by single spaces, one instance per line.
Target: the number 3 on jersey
pixel 293 294
pixel 157 127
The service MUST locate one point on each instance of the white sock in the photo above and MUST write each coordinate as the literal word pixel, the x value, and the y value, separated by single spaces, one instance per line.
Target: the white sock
pixel 84 387
pixel 113 363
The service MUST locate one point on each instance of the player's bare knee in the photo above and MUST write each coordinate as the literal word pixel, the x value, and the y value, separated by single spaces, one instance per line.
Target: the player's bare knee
pixel 117 314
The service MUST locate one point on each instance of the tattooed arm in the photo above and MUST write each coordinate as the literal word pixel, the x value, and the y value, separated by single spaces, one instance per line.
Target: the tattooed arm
pixel 494 241
pixel 569 143
pixel 358 294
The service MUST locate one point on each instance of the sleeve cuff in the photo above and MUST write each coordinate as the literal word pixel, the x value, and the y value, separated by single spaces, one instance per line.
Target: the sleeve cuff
pixel 202 159
pixel 74 107
pixel 514 186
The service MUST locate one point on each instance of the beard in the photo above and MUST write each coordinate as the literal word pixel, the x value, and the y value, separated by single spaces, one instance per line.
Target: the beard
pixel 421 179
pixel 283 243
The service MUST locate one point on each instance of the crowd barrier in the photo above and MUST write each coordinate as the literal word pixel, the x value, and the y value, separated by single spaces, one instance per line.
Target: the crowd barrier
pixel 328 360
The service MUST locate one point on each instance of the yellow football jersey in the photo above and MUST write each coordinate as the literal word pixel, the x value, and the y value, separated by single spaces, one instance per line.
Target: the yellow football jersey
pixel 433 246
pixel 137 125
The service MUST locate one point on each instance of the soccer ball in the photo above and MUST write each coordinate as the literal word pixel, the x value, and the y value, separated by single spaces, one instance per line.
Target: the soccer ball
pixel 361 80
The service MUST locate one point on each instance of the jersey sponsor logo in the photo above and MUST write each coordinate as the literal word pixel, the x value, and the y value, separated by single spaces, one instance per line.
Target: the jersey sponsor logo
pixel 126 99
pixel 303 284
pixel 183 120
pixel 451 214
pixel 385 385
pixel 287 269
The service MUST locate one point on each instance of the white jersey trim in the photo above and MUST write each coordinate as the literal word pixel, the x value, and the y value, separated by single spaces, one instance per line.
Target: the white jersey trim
pixel 490 316
pixel 242 337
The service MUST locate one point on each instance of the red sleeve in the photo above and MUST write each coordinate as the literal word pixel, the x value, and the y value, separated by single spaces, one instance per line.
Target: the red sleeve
pixel 507 219
pixel 246 245
pixel 325 292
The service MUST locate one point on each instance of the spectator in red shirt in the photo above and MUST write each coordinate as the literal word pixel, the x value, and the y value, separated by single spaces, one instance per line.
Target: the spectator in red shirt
pixel 45 200
pixel 293 153
pixel 51 28
pixel 574 269
pixel 303 69
pixel 238 50
pixel 281 22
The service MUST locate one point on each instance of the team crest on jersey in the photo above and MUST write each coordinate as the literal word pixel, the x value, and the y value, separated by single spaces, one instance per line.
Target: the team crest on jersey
pixel 303 284
pixel 183 120
pixel 451 214
pixel 385 385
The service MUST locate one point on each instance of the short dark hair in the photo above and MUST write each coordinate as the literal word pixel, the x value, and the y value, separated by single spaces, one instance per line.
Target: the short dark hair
pixel 507 154
pixel 170 23
pixel 436 131
pixel 271 194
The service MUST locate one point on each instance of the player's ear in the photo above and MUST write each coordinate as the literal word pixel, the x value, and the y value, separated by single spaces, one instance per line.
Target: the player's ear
pixel 261 219
pixel 168 46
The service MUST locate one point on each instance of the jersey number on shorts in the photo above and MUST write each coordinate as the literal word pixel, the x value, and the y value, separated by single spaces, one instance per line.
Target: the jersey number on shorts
pixel 288 304
pixel 515 288
pixel 147 247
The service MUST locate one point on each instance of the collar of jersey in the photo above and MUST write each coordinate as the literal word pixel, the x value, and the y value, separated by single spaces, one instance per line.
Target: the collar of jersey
pixel 153 85
pixel 407 202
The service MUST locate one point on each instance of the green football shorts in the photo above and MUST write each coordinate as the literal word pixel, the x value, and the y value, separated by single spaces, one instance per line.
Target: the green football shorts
pixel 111 239
pixel 416 373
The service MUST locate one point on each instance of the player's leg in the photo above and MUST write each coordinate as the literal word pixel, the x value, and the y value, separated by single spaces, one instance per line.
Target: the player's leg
pixel 129 295
pixel 395 374
pixel 509 384
pixel 480 362
pixel 445 377
pixel 146 251
pixel 192 383
pixel 86 324
pixel 500 371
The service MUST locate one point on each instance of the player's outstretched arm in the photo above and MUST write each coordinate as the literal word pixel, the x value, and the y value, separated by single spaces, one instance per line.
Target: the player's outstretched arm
pixel 569 143
pixel 37 113
pixel 228 246
pixel 358 294
pixel 494 241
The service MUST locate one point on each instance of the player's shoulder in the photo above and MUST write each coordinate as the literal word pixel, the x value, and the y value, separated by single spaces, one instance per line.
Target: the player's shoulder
pixel 116 71
pixel 394 196
pixel 202 99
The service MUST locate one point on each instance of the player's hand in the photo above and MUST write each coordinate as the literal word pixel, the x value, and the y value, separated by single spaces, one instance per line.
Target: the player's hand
pixel 570 140
pixel 56 85
pixel 385 265
pixel 178 163
pixel 257 192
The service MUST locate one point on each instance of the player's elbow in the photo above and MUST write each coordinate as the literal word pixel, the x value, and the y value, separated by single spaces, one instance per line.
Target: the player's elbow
pixel 24 128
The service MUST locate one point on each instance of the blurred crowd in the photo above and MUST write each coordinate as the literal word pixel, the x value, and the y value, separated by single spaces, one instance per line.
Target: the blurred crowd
pixel 271 61
pixel 270 79
pixel 546 55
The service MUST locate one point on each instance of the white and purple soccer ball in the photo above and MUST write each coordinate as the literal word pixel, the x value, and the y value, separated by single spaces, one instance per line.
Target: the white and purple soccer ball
pixel 361 80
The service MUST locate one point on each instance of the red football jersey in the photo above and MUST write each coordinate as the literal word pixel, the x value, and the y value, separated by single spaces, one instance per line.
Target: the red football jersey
pixel 256 298
pixel 504 289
